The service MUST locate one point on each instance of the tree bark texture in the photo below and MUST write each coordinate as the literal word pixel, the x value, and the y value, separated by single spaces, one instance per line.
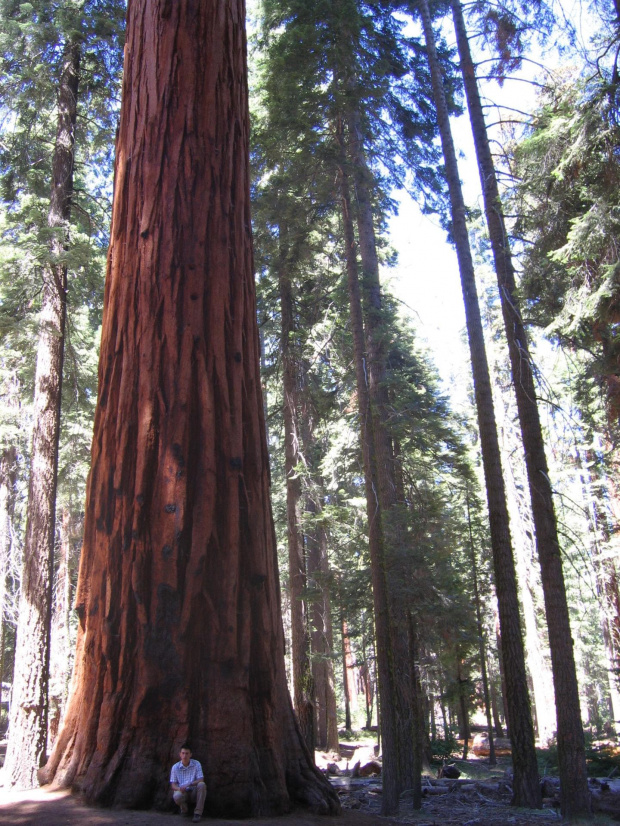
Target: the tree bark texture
pixel 26 750
pixel 574 793
pixel 180 632
pixel 300 644
pixel 396 735
pixel 526 787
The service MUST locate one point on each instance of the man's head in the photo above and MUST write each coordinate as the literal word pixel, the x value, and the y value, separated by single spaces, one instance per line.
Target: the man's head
pixel 185 755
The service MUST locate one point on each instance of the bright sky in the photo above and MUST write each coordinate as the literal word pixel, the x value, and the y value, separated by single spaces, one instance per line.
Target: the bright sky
pixel 427 278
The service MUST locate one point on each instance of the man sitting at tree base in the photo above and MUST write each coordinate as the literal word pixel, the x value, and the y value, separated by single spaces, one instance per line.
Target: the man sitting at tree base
pixel 188 785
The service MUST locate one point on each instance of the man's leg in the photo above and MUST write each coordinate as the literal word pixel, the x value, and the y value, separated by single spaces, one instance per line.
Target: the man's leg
pixel 180 798
pixel 201 796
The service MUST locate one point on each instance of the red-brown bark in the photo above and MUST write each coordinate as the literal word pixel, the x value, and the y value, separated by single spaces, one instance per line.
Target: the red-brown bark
pixel 178 597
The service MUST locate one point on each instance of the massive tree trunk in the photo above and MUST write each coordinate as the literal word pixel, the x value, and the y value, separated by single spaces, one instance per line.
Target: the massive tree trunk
pixel 526 787
pixel 26 751
pixel 300 654
pixel 574 794
pixel 178 598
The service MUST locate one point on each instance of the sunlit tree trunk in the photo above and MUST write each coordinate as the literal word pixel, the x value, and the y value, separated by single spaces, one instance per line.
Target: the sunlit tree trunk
pixel 8 478
pixel 303 689
pixel 322 638
pixel 180 632
pixel 60 653
pixel 526 787
pixel 26 751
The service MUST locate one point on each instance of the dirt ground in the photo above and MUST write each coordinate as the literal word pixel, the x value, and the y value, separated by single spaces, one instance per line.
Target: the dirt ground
pixel 39 806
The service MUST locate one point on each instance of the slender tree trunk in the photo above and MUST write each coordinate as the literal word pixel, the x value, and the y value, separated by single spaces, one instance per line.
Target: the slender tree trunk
pixel 26 751
pixel 606 579
pixel 8 477
pixel 497 722
pixel 481 637
pixel 322 641
pixel 395 733
pixel 526 787
pixel 346 690
pixel 59 642
pixel 574 793
pixel 502 675
pixel 419 727
pixel 180 631
pixel 463 711
pixel 300 655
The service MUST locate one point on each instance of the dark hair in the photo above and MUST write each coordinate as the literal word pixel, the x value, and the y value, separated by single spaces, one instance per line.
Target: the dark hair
pixel 185 746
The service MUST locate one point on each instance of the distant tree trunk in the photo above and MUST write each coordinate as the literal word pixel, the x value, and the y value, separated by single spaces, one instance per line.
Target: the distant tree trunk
pixel 574 793
pixel 444 716
pixel 8 478
pixel 463 710
pixel 26 751
pixel 481 637
pixel 526 786
pixel 419 727
pixel 180 632
pixel 322 641
pixel 502 676
pixel 59 642
pixel 300 655
pixel 396 731
pixel 497 722
pixel 347 665
pixel 606 578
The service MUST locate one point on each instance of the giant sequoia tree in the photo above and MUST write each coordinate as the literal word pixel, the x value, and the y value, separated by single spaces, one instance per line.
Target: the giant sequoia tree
pixel 178 599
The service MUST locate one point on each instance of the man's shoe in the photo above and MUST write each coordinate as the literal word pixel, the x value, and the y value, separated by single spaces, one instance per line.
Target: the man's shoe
pixel 196 818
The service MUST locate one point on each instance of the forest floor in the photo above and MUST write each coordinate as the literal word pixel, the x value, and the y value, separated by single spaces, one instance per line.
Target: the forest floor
pixel 480 797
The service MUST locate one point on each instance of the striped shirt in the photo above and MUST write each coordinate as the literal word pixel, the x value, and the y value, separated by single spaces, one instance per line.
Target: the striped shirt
pixel 184 775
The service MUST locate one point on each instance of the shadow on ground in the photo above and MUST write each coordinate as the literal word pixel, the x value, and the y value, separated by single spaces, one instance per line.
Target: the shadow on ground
pixel 49 808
